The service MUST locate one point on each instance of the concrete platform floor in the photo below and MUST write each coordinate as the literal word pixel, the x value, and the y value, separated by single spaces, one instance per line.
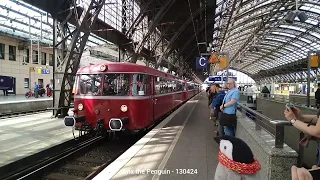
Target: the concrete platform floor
pixel 26 135
pixel 182 146
pixel 20 98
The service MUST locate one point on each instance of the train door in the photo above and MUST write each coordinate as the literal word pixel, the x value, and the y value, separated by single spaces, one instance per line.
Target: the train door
pixel 151 95
pixel 157 109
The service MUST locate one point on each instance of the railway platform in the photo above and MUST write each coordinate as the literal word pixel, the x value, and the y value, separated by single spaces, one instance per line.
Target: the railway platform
pixel 19 104
pixel 23 136
pixel 180 147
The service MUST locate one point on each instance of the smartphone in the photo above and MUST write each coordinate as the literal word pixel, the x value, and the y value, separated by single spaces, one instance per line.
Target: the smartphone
pixel 291 106
pixel 315 173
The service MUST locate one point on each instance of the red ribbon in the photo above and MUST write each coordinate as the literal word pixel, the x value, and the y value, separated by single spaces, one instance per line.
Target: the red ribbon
pixel 240 168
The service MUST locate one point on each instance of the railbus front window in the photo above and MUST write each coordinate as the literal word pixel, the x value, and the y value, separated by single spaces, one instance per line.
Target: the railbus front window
pixel 90 84
pixel 140 85
pixel 116 85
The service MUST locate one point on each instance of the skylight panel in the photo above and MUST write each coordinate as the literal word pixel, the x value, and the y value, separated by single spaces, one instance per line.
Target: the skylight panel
pixel 309 7
pixel 296 44
pixel 305 40
pixel 284 34
pixel 312 21
pixel 293 27
pixel 276 39
pixel 315 34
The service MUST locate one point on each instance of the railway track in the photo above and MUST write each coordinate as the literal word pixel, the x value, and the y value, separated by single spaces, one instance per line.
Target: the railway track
pixel 88 165
pixel 80 161
pixel 49 163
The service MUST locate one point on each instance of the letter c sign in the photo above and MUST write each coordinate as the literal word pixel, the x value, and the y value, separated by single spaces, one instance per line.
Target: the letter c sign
pixel 201 63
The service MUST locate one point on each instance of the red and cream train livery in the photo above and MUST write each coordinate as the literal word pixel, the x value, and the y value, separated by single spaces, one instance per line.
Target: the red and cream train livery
pixel 125 96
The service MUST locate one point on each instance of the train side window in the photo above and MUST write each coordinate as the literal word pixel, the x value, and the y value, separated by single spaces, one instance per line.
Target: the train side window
pixel 90 84
pixel 157 85
pixel 140 85
pixel 116 85
pixel 179 86
pixel 163 86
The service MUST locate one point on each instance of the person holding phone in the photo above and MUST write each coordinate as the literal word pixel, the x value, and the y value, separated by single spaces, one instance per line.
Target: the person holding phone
pixel 304 124
pixel 300 174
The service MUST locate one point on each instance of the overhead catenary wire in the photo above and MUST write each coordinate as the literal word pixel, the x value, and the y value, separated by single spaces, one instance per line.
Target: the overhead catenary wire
pixel 205 22
pixel 194 28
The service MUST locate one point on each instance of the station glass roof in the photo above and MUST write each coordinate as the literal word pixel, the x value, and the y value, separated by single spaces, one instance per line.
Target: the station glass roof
pixel 257 37
pixel 22 20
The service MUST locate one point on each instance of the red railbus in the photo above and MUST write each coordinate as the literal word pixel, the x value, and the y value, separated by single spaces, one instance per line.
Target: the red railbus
pixel 125 96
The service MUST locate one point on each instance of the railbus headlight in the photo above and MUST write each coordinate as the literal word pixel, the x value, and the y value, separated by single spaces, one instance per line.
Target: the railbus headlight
pixel 103 67
pixel 80 107
pixel 124 108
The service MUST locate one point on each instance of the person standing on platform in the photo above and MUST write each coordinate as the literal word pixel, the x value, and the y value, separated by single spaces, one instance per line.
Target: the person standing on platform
pixel 249 93
pixel 216 103
pixel 36 90
pixel 212 93
pixel 229 105
pixel 265 91
pixel 317 96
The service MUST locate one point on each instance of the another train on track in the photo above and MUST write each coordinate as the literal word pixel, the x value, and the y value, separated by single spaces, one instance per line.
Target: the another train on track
pixel 114 97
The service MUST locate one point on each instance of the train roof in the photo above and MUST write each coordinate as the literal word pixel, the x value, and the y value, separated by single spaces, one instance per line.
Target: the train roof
pixel 123 67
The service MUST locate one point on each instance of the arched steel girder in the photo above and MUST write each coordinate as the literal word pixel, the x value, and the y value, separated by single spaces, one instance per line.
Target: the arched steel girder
pixel 287 69
pixel 274 55
pixel 168 49
pixel 259 15
pixel 139 18
pixel 276 29
pixel 67 55
pixel 289 74
pixel 249 25
pixel 264 44
pixel 251 11
pixel 228 23
pixel 164 9
pixel 288 42
pixel 163 33
pixel 261 27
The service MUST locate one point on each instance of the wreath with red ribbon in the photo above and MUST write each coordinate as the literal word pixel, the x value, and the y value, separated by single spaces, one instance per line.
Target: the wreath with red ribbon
pixel 240 168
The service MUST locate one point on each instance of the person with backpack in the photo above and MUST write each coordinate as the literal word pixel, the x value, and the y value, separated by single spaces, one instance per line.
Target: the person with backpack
pixel 216 103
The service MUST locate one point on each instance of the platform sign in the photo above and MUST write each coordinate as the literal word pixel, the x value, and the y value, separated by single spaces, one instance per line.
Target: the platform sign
pixel 215 78
pixel 219 78
pixel 201 62
pixel 225 78
pixel 45 71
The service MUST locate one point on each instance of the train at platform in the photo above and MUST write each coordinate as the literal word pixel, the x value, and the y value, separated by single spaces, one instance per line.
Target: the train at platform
pixel 116 96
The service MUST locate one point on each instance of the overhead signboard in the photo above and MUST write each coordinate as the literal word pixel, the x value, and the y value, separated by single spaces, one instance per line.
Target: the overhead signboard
pixel 201 62
pixel 213 58
pixel 218 78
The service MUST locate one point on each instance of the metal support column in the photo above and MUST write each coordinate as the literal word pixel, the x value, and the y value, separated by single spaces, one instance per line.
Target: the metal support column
pixel 308 80
pixel 67 55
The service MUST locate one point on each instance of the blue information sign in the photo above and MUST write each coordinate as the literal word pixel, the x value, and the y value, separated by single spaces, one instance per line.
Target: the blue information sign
pixel 218 78
pixel 201 62
pixel 45 71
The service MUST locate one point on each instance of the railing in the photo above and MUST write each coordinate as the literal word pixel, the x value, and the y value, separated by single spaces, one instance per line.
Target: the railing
pixel 300 100
pixel 273 127
pixel 265 122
